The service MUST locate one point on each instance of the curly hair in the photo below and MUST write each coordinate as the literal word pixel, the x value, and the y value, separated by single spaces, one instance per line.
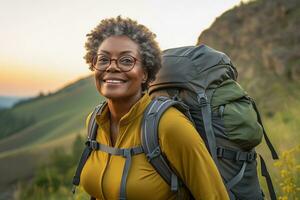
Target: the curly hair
pixel 149 49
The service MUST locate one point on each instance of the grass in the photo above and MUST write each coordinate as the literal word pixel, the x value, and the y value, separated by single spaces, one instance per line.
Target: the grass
pixel 61 116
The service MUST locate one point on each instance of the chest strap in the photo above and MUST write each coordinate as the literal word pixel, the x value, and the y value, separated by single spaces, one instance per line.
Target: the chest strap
pixel 125 152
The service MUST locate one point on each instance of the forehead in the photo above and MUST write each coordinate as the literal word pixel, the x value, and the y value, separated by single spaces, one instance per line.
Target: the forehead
pixel 118 45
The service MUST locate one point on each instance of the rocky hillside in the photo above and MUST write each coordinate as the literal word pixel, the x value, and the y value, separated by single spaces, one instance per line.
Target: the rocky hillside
pixel 263 39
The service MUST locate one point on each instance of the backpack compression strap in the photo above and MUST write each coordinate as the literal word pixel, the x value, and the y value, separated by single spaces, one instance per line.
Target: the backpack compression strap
pixel 92 132
pixel 150 142
pixel 272 149
pixel 264 170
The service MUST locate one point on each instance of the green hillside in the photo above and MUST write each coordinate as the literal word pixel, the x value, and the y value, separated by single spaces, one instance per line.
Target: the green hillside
pixel 263 40
pixel 57 119
pixel 262 37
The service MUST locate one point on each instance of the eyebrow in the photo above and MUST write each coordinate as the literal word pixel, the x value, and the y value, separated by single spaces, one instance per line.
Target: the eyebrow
pixel 121 53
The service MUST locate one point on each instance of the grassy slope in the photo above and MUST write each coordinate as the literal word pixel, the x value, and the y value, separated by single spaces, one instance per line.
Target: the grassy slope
pixel 60 116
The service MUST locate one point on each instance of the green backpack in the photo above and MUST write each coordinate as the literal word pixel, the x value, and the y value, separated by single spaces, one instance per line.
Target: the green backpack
pixel 224 115
pixel 201 83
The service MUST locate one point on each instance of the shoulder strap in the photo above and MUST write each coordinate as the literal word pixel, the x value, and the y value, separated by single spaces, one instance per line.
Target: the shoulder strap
pixel 149 136
pixel 269 144
pixel 92 125
pixel 92 132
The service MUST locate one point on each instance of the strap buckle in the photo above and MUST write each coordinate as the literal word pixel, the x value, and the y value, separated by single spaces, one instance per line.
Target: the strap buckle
pixel 251 156
pixel 93 144
pixel 127 152
pixel 220 152
pixel 237 156
pixel 156 152
pixel 202 99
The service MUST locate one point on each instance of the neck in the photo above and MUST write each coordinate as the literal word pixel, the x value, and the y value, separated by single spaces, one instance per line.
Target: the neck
pixel 119 107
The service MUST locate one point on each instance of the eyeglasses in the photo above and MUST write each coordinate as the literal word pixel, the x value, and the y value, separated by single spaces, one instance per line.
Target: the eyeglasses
pixel 124 63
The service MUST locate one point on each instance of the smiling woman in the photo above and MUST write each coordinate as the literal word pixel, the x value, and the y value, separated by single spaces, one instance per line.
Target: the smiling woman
pixel 120 80
pixel 125 59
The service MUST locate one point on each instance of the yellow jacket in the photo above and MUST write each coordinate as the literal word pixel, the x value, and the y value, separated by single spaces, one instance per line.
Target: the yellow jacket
pixel 179 141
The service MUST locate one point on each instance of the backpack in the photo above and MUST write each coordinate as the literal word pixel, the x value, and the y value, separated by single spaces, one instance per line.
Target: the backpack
pixel 201 83
pixel 225 116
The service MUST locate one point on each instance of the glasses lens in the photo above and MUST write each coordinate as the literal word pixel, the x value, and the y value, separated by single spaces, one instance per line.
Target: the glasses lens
pixel 125 63
pixel 102 62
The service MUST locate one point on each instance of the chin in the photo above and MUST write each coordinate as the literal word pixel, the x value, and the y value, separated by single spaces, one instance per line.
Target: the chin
pixel 114 95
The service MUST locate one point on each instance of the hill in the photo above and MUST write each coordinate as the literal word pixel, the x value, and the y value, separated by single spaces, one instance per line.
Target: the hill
pixel 262 37
pixel 53 121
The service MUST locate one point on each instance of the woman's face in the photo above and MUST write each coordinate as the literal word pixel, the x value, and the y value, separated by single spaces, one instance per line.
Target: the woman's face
pixel 113 83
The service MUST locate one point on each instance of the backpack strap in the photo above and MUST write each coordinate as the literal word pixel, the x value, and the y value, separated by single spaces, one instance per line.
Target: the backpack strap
pixel 207 122
pixel 150 141
pixel 271 147
pixel 265 173
pixel 92 132
pixel 264 170
pixel 243 156
pixel 125 152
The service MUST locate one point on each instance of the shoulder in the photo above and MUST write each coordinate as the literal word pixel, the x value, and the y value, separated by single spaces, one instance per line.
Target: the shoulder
pixel 175 127
pixel 173 117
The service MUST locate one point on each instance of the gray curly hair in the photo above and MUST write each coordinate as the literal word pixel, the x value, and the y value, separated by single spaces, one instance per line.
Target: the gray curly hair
pixel 149 49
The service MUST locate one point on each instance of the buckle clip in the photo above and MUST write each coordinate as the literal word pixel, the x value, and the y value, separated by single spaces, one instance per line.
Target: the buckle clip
pixel 237 156
pixel 251 156
pixel 94 144
pixel 156 152
pixel 127 152
pixel 220 152
pixel 202 99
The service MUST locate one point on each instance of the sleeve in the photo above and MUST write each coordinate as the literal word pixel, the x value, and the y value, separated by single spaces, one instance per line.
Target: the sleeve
pixel 187 154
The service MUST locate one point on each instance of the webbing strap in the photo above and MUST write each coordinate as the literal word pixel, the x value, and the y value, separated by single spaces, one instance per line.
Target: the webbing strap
pixel 271 147
pixel 125 152
pixel 265 173
pixel 92 125
pixel 237 177
pixel 92 131
pixel 93 144
pixel 206 115
pixel 84 156
pixel 237 156
pixel 230 154
pixel 127 155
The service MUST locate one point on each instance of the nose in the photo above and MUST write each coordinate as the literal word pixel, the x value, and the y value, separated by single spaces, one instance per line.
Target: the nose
pixel 113 66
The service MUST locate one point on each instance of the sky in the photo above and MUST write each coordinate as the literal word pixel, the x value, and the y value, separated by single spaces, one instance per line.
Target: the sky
pixel 42 41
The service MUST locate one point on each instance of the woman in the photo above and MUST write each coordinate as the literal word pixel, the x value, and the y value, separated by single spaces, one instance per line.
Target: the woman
pixel 125 58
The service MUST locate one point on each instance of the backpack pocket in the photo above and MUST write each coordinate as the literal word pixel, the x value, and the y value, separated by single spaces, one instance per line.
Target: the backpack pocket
pixel 241 124
pixel 237 114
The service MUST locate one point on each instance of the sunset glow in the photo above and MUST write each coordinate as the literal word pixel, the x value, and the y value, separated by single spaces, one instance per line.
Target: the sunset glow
pixel 42 42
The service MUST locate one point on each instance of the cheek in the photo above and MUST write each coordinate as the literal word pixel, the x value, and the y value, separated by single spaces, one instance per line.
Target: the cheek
pixel 97 81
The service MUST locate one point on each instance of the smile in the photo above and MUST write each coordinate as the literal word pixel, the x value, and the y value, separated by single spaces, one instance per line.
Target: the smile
pixel 113 81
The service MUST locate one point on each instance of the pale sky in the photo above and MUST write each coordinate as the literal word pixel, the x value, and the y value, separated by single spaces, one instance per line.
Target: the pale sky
pixel 42 41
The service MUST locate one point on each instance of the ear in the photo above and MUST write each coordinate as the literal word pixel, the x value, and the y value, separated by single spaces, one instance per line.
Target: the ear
pixel 145 76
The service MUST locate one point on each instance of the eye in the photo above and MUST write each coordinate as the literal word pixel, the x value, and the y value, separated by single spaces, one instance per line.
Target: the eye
pixel 126 60
pixel 103 60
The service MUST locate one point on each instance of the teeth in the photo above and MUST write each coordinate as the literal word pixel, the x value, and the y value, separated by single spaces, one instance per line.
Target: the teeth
pixel 113 81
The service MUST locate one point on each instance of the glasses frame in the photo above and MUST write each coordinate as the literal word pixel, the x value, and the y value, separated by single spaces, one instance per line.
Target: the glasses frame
pixel 94 62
